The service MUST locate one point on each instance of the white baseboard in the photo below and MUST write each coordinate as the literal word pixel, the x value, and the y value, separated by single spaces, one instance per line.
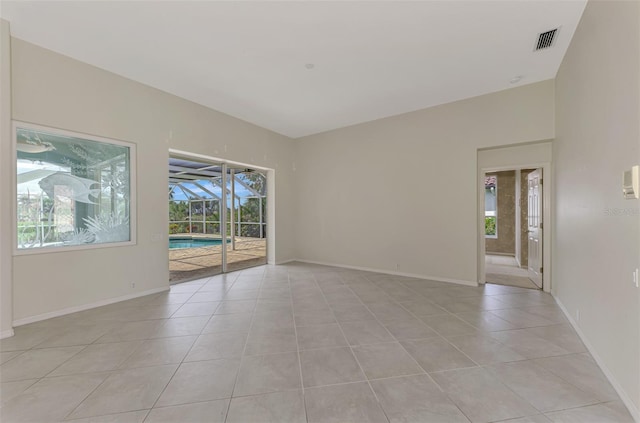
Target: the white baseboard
pixel 285 261
pixel 6 334
pixel 390 272
pixel 75 309
pixel 623 395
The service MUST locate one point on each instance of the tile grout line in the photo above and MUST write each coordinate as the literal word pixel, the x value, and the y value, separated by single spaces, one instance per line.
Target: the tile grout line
pixel 246 342
pixel 181 361
pixel 426 372
pixel 354 355
pixel 295 330
pixel 438 333
pixel 403 347
pixel 478 366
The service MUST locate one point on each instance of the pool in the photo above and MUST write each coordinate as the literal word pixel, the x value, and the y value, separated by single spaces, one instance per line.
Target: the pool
pixel 193 242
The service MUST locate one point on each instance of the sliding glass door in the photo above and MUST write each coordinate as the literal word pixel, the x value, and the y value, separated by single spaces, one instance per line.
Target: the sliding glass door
pixel 217 218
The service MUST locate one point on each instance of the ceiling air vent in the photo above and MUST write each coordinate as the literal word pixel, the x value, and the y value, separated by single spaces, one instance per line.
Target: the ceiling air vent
pixel 545 40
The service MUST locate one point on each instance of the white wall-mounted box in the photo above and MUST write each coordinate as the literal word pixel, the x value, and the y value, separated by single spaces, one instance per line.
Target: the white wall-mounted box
pixel 631 183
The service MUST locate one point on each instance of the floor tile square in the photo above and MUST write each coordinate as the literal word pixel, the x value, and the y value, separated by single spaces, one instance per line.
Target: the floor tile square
pixel 201 381
pixel 435 354
pixel 409 329
pixel 354 402
pixel 50 399
pixel 34 364
pixel 386 312
pixel 271 340
pixel 268 373
pixel 385 360
pixel 181 326
pixel 196 309
pixel 561 335
pixel 236 306
pixel 528 344
pixel 581 372
pixel 351 312
pixel 132 331
pixel 483 349
pixel 277 407
pixel 314 317
pixel 98 358
pixel 415 399
pixel 448 325
pixel 126 390
pixel 481 396
pixel 320 336
pixel 209 411
pixel 611 412
pixel 240 322
pixel 80 335
pixel 486 321
pixel 329 366
pixel 542 389
pixel 10 390
pixel 156 352
pixel 8 355
pixel 217 345
pixel 366 332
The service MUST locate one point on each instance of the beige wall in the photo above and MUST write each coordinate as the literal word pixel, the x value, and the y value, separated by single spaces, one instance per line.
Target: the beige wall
pixel 505 243
pixel 53 90
pixel 6 295
pixel 399 194
pixel 596 243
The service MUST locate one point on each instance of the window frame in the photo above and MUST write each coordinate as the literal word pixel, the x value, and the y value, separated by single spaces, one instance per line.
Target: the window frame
pixel 492 213
pixel 14 190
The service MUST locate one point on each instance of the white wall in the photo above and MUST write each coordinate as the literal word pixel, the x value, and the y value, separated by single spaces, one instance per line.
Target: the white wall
pixel 54 90
pixel 596 243
pixel 515 156
pixel 399 194
pixel 6 303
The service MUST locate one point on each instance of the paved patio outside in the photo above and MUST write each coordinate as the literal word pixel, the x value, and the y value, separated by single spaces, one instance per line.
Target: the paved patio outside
pixel 192 263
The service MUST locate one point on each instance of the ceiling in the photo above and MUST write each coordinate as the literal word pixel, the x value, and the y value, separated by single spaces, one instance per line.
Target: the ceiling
pixel 249 59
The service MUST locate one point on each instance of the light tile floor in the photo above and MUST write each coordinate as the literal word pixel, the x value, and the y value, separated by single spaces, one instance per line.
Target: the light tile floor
pixel 504 270
pixel 304 343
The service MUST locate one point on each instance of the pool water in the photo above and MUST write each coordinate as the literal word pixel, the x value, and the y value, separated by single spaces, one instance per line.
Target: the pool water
pixel 193 243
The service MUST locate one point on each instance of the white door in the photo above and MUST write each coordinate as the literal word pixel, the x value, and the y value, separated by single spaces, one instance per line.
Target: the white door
pixel 534 212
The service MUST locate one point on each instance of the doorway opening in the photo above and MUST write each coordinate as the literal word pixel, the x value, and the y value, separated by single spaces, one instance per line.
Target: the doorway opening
pixel 217 217
pixel 513 210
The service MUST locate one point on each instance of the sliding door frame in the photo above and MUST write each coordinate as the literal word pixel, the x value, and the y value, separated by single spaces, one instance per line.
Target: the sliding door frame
pixel 270 215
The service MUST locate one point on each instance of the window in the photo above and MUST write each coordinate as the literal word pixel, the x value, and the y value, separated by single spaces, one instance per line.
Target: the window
pixel 72 189
pixel 491 206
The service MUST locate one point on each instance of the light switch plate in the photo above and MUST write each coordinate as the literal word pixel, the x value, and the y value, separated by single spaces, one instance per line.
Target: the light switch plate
pixel 631 183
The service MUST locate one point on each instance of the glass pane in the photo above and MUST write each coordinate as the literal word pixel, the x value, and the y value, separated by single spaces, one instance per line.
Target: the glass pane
pixel 490 225
pixel 195 247
pixel 490 199
pixel 71 190
pixel 490 205
pixel 248 247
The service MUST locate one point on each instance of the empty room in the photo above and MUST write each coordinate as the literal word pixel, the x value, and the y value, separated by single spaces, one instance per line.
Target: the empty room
pixel 320 211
